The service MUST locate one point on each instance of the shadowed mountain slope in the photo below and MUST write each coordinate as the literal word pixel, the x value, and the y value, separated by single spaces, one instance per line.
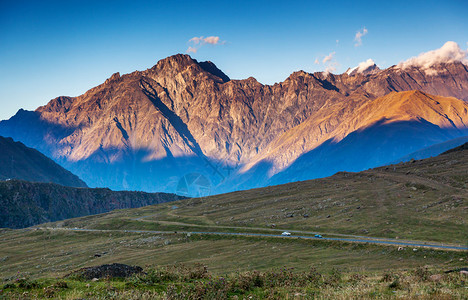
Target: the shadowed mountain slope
pixel 20 162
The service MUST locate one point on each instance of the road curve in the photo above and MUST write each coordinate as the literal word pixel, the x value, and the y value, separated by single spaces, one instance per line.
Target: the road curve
pixel 348 240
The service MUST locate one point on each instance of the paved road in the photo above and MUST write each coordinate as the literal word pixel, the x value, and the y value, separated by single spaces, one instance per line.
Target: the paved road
pixel 349 240
pixel 300 233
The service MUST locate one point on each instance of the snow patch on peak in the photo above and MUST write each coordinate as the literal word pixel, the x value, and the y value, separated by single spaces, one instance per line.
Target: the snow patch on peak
pixel 450 52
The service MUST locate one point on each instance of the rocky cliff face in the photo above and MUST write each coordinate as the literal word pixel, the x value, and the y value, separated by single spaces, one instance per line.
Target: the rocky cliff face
pixel 25 204
pixel 146 130
pixel 20 162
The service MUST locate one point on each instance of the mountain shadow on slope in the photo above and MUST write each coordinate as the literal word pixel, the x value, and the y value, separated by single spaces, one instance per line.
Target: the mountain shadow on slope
pixel 376 145
pixel 434 150
pixel 457 149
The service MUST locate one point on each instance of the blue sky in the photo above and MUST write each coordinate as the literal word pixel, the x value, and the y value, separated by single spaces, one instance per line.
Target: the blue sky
pixel 54 48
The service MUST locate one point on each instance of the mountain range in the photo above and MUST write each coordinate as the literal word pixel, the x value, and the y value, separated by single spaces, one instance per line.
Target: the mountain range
pixel 184 126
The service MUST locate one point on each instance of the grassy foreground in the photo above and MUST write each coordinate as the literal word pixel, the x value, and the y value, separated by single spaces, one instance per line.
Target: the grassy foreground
pixel 196 282
pixel 54 253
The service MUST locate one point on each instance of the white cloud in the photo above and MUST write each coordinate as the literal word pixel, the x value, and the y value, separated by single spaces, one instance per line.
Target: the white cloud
pixel 329 57
pixel 450 52
pixel 331 68
pixel 191 50
pixel 358 37
pixel 362 66
pixel 213 40
pixel 197 42
pixel 329 62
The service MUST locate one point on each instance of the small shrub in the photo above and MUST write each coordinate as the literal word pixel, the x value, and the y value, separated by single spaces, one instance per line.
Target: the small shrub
pixel 395 284
pixel 197 272
pixel 25 283
pixel 387 277
pixel 248 280
pixel 356 278
pixel 9 286
pixel 61 285
pixel 422 274
pixel 49 292
pixel 334 278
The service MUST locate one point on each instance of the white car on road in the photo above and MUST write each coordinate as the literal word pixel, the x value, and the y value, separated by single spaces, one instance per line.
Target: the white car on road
pixel 286 233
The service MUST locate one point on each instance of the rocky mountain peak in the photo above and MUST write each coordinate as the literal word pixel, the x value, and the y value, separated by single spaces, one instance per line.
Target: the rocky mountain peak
pixel 211 68
pixel 298 74
pixel 177 62
pixel 184 64
pixel 114 77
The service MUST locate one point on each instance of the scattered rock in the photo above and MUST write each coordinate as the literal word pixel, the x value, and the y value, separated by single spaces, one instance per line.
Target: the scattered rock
pixel 435 277
pixel 306 216
pixel 461 270
pixel 106 271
